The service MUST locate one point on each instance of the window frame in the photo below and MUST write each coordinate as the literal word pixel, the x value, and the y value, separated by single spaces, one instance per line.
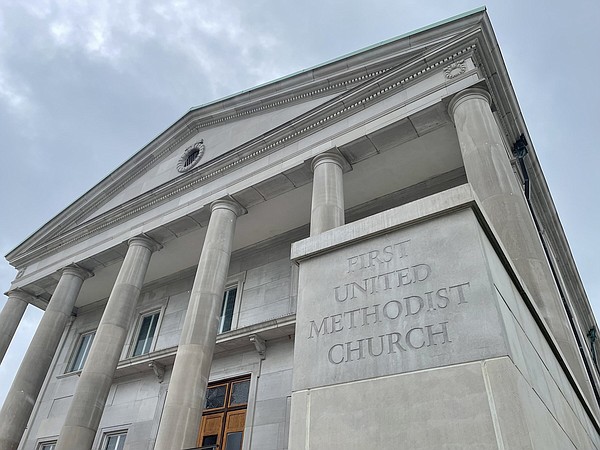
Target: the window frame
pixel 233 282
pixel 75 350
pixel 42 445
pixel 107 435
pixel 225 383
pixel 138 328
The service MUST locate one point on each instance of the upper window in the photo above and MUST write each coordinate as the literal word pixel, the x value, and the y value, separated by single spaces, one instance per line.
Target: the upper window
pixel 227 310
pixel 145 337
pixel 47 446
pixel 80 355
pixel 115 441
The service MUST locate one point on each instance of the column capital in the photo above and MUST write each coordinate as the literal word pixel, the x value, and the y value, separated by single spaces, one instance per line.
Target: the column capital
pixel 227 204
pixel 20 294
pixel 144 241
pixel 468 94
pixel 327 157
pixel 78 271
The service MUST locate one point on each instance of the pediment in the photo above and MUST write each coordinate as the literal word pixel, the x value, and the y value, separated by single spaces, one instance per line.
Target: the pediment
pixel 251 124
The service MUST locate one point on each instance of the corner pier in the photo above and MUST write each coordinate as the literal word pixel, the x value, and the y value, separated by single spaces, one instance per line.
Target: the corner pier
pixel 422 307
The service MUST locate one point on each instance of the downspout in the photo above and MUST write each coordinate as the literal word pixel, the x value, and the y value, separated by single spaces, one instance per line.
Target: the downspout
pixel 519 151
pixel 593 336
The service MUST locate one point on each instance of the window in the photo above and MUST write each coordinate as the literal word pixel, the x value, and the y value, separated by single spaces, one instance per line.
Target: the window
pixel 47 446
pixel 115 441
pixel 227 310
pixel 145 336
pixel 230 308
pixel 80 355
pixel 224 414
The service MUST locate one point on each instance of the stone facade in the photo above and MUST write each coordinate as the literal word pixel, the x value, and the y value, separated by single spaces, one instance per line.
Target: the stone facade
pixel 361 255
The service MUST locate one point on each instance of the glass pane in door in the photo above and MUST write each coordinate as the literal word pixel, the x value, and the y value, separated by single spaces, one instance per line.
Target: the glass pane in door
pixel 234 441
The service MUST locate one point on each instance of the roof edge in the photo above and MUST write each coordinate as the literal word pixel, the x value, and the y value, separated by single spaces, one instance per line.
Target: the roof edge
pixel 346 56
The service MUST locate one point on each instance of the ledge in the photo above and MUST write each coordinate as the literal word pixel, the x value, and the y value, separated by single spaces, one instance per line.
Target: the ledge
pixel 421 210
pixel 226 342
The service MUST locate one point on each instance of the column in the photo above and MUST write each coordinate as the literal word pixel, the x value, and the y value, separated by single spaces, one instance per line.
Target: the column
pixel 185 399
pixel 490 174
pixel 90 396
pixel 32 372
pixel 10 317
pixel 327 209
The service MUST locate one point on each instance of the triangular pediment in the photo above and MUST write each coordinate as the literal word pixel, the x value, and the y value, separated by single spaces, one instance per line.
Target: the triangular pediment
pixel 236 126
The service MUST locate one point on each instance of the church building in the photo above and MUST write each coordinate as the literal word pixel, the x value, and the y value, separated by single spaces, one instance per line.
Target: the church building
pixel 361 255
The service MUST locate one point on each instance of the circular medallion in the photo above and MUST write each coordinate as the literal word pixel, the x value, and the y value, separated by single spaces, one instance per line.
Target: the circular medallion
pixel 191 157
pixel 455 69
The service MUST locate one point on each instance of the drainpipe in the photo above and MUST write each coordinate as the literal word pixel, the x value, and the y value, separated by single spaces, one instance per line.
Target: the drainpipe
pixel 592 335
pixel 520 151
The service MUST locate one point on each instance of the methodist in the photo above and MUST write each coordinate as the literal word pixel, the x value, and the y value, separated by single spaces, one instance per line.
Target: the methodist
pixel 392 310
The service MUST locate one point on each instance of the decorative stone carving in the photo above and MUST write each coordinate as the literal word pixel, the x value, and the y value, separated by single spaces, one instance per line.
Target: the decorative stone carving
pixel 455 69
pixel 191 157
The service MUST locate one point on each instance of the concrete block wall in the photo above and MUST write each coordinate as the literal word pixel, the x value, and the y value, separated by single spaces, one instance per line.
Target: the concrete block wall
pixel 270 425
pixel 133 405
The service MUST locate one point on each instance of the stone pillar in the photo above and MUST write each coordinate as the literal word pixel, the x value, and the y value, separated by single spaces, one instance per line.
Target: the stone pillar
pixel 185 399
pixel 10 317
pixel 34 368
pixel 90 396
pixel 327 209
pixel 491 175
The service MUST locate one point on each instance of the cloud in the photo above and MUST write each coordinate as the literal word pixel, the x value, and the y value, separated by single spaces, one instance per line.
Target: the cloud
pixel 15 97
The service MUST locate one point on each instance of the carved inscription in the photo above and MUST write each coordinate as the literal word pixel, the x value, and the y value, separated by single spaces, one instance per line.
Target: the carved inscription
pixel 410 307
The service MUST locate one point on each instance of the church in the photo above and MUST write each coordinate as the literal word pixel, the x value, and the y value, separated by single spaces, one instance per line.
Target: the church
pixel 361 255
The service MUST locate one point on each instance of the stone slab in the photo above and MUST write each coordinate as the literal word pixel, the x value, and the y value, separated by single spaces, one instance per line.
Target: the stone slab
pixel 432 409
pixel 410 299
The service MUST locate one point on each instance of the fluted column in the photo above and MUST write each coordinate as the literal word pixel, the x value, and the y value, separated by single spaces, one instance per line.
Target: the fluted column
pixel 10 317
pixel 86 409
pixel 32 372
pixel 327 210
pixel 490 174
pixel 185 399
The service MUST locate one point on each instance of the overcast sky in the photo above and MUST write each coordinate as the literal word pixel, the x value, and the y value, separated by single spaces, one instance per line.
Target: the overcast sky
pixel 84 85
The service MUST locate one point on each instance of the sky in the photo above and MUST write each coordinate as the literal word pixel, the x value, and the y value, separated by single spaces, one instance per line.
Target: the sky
pixel 85 85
